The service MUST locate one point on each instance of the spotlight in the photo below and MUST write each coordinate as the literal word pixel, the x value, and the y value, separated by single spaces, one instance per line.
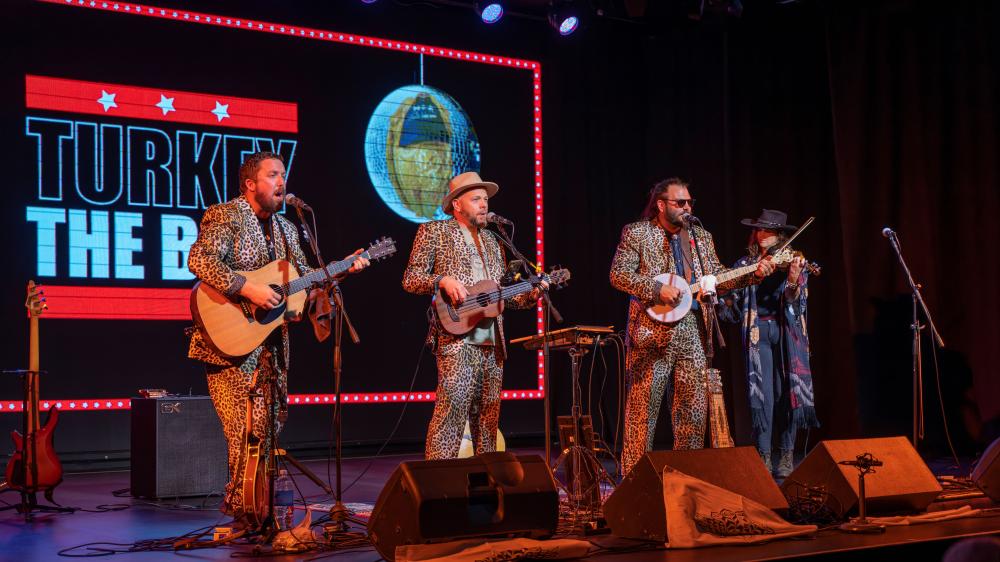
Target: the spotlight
pixel 491 12
pixel 565 16
pixel 368 1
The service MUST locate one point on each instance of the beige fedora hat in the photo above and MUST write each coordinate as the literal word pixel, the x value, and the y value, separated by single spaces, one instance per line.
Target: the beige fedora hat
pixel 464 182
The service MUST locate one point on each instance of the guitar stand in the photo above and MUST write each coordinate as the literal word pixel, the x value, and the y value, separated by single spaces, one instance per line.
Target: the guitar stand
pixel 583 473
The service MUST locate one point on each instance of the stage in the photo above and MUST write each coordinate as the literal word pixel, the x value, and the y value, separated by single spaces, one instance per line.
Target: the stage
pixel 144 521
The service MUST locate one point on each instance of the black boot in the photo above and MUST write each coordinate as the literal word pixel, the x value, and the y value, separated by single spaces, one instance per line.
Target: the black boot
pixel 786 464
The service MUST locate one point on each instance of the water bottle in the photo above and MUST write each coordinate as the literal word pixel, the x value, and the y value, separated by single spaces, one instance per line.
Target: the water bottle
pixel 284 500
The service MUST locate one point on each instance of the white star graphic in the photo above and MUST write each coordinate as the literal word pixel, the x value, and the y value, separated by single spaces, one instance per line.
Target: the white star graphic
pixel 221 111
pixel 107 100
pixel 166 104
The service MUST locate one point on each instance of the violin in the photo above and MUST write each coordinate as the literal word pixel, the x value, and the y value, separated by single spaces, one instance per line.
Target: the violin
pixel 813 268
pixel 34 466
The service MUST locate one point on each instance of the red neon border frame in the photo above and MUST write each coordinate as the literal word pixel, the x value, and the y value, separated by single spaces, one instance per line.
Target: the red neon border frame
pixel 188 16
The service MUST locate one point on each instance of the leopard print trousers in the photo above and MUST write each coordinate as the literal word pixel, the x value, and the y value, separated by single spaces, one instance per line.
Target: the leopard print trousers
pixel 229 388
pixel 469 384
pixel 676 369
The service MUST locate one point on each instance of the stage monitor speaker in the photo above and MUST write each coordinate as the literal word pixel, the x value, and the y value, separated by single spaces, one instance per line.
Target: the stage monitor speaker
pixel 494 494
pixel 178 448
pixel 986 475
pixel 635 509
pixel 902 483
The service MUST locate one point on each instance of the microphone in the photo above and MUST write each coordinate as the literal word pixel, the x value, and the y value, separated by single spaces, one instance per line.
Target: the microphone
pixel 888 233
pixel 497 219
pixel 688 218
pixel 294 201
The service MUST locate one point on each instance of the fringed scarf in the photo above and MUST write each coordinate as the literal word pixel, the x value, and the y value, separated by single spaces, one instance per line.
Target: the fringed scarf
pixel 795 353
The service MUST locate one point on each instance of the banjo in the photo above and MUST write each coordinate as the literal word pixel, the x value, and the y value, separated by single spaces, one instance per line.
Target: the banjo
pixel 707 283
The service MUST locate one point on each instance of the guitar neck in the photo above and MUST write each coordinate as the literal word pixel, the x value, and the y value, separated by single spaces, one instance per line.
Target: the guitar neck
pixel 728 276
pixel 34 421
pixel 511 291
pixel 316 277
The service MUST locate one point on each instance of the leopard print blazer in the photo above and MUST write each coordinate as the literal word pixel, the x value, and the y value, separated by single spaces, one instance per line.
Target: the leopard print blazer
pixel 440 249
pixel 643 253
pixel 231 239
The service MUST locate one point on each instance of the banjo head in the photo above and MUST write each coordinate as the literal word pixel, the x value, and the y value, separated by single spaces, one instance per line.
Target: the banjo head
pixel 665 312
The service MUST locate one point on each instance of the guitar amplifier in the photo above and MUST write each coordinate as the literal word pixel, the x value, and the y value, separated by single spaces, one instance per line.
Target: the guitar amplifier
pixel 178 448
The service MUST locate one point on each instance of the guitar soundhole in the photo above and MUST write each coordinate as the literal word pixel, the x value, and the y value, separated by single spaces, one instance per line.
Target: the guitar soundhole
pixel 264 316
pixel 483 299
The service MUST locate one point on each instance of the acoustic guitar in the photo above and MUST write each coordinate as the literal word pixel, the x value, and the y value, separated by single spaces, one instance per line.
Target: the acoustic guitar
pixel 668 313
pixel 485 300
pixel 235 326
pixel 34 466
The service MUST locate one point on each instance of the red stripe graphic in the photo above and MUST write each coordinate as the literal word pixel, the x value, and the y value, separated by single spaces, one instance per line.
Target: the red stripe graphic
pixel 117 303
pixel 119 100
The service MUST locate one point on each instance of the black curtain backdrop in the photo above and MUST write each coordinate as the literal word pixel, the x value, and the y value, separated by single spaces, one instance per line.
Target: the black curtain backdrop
pixel 860 115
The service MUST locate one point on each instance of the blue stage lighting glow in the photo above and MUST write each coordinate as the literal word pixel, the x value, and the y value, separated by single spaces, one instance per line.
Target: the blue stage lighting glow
pixel 492 12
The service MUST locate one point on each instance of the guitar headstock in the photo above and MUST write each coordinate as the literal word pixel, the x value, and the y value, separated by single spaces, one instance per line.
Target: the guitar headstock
pixel 35 301
pixel 381 248
pixel 558 277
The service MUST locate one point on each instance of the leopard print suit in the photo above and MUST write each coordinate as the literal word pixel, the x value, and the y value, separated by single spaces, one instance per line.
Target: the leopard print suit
pixel 662 358
pixel 231 239
pixel 470 376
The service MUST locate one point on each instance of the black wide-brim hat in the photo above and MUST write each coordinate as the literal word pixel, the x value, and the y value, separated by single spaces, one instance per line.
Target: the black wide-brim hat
pixel 770 220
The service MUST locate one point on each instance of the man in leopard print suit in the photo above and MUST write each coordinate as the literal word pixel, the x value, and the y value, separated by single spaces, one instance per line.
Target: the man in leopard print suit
pixel 451 254
pixel 665 358
pixel 245 234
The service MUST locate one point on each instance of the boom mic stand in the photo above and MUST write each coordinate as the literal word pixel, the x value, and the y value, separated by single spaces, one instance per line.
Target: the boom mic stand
pixel 916 326
pixel 339 513
pixel 550 313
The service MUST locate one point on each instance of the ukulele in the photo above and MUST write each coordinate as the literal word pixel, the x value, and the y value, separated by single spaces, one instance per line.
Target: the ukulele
pixel 34 466
pixel 485 300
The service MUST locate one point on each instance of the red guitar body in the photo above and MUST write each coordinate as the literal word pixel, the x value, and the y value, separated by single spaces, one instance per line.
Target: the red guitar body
pixel 38 446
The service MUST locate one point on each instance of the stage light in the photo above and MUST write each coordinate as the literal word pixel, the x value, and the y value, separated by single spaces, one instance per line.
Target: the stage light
pixel 565 16
pixel 368 1
pixel 490 12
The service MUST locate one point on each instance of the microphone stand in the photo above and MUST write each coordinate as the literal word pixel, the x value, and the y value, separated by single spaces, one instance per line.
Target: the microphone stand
pixel 339 512
pixel 550 313
pixel 916 326
pixel 709 301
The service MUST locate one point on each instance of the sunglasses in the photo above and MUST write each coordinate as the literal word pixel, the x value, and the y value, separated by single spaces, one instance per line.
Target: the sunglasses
pixel 681 202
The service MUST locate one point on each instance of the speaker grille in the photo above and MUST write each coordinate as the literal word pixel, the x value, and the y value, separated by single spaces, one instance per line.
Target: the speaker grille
pixel 178 448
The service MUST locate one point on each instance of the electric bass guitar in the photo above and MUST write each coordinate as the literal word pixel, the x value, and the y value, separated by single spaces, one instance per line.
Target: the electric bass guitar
pixel 485 300
pixel 235 326
pixel 668 313
pixel 34 466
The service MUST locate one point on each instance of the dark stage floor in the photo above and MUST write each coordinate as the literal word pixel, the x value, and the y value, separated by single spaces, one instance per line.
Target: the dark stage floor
pixel 46 534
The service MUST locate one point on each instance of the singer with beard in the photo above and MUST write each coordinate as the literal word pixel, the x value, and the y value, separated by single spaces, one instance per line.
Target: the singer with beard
pixel 450 255
pixel 245 234
pixel 666 358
